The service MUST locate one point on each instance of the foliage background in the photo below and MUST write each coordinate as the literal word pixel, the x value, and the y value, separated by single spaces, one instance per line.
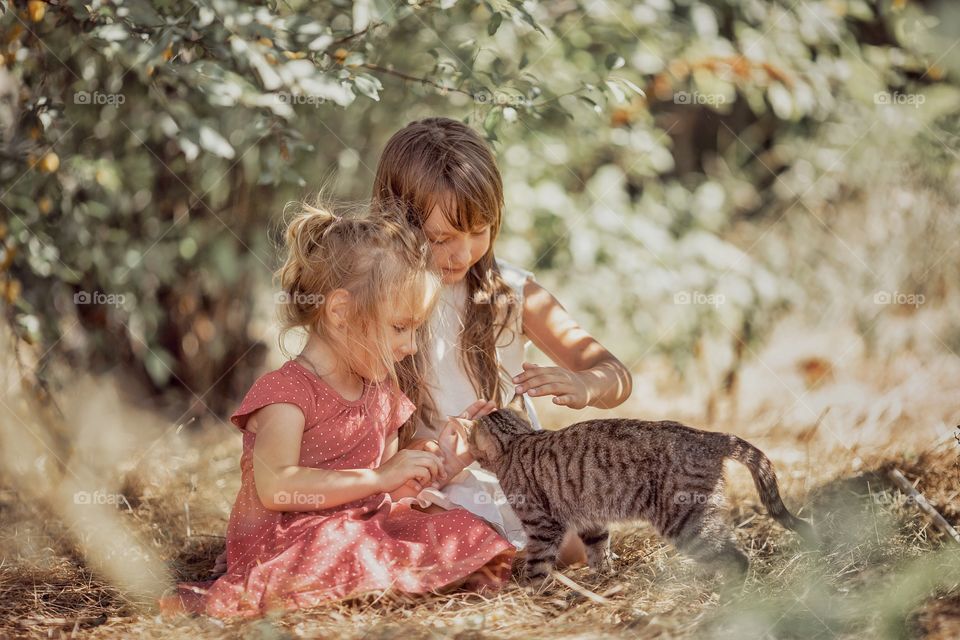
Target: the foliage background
pixel 676 170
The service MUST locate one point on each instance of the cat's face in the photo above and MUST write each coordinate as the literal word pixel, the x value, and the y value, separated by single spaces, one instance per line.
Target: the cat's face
pixel 491 435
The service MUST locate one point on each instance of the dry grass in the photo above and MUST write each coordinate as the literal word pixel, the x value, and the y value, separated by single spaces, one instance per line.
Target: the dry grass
pixel 874 544
pixel 882 572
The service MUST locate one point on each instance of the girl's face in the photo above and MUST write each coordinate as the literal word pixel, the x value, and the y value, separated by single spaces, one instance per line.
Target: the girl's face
pixel 453 251
pixel 400 326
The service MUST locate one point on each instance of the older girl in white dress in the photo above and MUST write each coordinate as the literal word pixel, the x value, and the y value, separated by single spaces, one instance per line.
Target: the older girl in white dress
pixel 446 177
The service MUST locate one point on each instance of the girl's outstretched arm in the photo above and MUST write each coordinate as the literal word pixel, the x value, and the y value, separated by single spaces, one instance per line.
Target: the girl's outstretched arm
pixel 588 374
pixel 283 485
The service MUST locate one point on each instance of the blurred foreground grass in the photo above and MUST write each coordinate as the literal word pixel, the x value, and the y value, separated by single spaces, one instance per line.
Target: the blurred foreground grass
pixel 85 553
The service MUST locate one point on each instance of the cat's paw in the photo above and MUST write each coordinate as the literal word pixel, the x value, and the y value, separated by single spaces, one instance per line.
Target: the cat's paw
pixel 603 567
pixel 602 564
pixel 534 584
pixel 536 590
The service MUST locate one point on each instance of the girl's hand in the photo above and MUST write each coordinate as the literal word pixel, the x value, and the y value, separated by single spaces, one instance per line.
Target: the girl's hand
pixel 423 444
pixel 421 467
pixel 452 444
pixel 567 387
pixel 453 448
pixel 478 409
pixel 453 437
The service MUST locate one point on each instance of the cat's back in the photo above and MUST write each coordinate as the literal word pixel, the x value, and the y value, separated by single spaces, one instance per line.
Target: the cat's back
pixel 639 436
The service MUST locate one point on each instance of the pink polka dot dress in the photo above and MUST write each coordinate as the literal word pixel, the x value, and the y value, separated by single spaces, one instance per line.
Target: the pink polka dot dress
pixel 288 560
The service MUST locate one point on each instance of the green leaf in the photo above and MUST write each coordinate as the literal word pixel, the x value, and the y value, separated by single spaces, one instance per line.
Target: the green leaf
pixel 141 13
pixel 158 363
pixel 780 100
pixel 323 86
pixel 215 143
pixel 268 77
pixel 495 23
pixel 526 16
pixel 111 33
pixel 368 86
pixel 618 93
pixel 491 122
pixel 630 85
pixel 614 61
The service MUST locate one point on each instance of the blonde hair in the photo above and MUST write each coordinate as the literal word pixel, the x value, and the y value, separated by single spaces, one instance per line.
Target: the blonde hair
pixel 439 161
pixel 377 258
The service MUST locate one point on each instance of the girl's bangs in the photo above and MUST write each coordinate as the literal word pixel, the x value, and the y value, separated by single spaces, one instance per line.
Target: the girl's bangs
pixel 462 210
pixel 419 296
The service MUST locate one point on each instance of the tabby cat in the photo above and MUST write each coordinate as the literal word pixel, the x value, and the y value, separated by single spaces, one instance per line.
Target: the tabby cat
pixel 601 471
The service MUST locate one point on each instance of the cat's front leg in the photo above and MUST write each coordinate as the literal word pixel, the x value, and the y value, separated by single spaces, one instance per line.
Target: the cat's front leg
pixel 543 542
pixel 596 538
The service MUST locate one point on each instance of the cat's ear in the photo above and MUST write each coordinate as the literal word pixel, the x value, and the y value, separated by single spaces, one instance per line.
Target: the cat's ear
pixel 481 443
pixel 517 404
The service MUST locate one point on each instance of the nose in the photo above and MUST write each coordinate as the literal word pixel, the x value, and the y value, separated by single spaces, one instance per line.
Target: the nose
pixel 461 257
pixel 410 347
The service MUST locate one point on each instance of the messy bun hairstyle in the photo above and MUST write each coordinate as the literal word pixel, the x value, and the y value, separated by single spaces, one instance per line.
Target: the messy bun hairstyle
pixel 374 256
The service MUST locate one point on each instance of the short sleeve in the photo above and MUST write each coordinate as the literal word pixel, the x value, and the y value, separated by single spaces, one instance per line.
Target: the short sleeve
pixel 400 408
pixel 276 387
pixel 515 276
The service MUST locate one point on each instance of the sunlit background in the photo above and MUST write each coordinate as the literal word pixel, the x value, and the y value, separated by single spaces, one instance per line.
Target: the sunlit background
pixel 753 204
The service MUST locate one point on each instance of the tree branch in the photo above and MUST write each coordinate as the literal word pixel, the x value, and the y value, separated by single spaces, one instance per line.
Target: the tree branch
pixel 410 78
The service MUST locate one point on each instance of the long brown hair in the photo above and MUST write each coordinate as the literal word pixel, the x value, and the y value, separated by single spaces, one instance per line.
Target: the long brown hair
pixel 443 162
pixel 376 258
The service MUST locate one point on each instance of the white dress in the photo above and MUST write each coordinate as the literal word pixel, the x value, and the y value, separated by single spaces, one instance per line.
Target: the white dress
pixel 474 489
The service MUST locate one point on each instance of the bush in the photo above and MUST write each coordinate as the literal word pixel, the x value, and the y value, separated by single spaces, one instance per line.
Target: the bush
pixel 150 146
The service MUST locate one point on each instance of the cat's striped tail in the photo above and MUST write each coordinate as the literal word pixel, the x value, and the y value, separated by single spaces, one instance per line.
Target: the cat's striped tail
pixel 766 482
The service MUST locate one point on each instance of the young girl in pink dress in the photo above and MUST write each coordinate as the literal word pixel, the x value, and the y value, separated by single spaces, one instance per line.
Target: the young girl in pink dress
pixel 448 182
pixel 316 517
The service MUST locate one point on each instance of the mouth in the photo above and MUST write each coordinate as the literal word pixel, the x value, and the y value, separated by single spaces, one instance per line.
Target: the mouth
pixel 452 272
